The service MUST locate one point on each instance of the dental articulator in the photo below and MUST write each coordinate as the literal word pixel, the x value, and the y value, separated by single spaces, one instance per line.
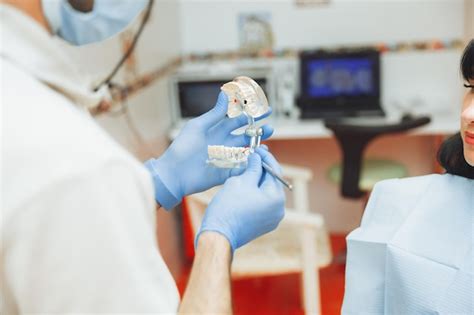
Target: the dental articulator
pixel 245 97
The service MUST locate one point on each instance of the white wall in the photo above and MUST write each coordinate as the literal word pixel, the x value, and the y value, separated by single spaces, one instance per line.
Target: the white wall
pixel 209 25
pixel 429 78
pixel 422 82
pixel 469 19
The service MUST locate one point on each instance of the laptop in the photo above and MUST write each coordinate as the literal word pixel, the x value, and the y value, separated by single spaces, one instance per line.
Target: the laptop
pixel 335 84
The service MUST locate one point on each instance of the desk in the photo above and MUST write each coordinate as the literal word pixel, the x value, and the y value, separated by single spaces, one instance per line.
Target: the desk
pixel 292 128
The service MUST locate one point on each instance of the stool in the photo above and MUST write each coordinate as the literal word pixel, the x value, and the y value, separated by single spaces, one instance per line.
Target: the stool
pixel 372 172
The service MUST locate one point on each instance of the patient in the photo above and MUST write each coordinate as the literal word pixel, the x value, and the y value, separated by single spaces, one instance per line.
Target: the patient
pixel 413 253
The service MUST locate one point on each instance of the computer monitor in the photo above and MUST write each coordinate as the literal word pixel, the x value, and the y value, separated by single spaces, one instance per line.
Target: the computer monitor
pixel 340 84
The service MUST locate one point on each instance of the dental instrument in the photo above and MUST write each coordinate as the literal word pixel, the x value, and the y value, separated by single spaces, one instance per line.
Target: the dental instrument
pixel 278 177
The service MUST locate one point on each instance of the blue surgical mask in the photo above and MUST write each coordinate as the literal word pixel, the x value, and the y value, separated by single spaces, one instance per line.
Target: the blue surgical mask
pixel 107 18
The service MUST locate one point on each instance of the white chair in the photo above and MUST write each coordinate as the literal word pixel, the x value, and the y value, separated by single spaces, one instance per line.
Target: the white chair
pixel 299 244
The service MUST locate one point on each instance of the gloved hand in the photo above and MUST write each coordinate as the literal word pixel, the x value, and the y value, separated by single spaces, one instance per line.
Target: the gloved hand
pixel 182 169
pixel 248 205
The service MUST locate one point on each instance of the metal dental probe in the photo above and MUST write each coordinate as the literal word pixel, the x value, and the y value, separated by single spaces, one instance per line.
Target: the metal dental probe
pixel 272 172
pixel 256 137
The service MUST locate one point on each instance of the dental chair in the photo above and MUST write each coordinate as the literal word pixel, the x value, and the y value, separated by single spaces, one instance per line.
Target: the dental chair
pixel 299 245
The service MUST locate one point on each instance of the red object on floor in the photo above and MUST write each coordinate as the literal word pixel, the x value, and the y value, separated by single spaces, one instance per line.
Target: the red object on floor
pixel 282 294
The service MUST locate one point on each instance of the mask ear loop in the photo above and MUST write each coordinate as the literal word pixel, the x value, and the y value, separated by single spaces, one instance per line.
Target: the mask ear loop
pixel 108 79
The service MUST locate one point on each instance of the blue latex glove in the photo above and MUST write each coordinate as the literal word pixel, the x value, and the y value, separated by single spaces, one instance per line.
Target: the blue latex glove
pixel 182 169
pixel 248 205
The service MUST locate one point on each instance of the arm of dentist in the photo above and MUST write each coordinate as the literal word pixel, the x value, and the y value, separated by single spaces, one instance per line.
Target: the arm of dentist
pixel 209 289
pixel 230 222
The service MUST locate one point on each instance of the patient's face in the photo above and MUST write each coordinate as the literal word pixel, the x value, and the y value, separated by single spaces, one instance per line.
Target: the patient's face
pixel 467 124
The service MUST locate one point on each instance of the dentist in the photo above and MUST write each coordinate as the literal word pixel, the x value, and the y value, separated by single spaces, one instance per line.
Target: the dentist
pixel 78 211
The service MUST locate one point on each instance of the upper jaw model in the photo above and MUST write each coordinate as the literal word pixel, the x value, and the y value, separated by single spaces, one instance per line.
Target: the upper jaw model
pixel 245 97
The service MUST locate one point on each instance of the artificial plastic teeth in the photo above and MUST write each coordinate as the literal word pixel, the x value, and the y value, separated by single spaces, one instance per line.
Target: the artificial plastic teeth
pixel 231 154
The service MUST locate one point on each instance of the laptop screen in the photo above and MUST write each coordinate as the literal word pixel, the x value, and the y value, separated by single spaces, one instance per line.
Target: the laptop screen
pixel 340 83
pixel 335 77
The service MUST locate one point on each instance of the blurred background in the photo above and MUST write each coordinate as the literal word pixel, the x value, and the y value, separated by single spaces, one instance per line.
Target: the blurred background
pixel 319 61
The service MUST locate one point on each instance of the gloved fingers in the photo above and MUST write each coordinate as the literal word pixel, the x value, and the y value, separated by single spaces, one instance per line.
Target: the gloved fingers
pixel 229 125
pixel 226 126
pixel 269 182
pixel 267 131
pixel 230 172
pixel 254 170
pixel 236 171
pixel 243 140
pixel 263 147
pixel 269 159
pixel 222 174
pixel 270 110
pixel 212 117
pixel 271 185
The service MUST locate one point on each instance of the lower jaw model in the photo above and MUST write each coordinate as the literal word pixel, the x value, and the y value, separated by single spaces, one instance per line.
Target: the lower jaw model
pixel 227 157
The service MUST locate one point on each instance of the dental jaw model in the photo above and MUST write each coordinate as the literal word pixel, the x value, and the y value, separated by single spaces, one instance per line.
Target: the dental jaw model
pixel 245 97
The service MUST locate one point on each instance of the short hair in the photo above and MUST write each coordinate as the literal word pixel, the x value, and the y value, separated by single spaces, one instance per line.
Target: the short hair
pixel 450 154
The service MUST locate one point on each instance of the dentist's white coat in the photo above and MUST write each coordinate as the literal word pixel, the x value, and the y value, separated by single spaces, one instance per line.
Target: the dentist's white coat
pixel 78 211
pixel 413 253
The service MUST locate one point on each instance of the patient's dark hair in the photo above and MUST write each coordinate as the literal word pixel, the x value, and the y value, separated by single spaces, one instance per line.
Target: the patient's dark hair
pixel 451 155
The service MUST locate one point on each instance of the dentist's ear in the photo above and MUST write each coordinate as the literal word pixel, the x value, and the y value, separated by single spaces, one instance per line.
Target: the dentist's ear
pixel 82 5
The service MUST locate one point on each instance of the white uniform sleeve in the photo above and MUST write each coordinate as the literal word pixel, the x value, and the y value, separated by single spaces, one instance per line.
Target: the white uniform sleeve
pixel 87 244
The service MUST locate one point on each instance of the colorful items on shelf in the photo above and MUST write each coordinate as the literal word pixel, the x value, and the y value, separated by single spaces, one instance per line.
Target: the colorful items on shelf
pixel 289 52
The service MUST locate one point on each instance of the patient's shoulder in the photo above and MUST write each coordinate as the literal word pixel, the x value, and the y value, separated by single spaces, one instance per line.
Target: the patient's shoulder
pixel 392 200
pixel 407 183
pixel 403 189
pixel 414 186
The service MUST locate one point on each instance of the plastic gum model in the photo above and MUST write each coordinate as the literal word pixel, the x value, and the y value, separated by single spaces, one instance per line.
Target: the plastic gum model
pixel 245 97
